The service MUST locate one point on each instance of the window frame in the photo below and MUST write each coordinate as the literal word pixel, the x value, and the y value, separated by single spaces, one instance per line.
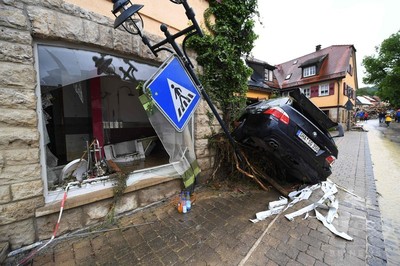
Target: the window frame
pixel 323 89
pixel 309 71
pixel 268 75
pixel 98 183
pixel 307 91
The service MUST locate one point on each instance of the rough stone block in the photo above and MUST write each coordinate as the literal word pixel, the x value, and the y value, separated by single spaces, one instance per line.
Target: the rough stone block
pixel 94 212
pixel 13 17
pixel 42 21
pixel 70 220
pixel 17 75
pixel 15 36
pixel 27 189
pixel 5 194
pixel 20 210
pixel 123 41
pixel 68 27
pixel 201 147
pixel 202 132
pixel 21 156
pixel 204 163
pixel 17 173
pixel 3 251
pixel 106 36
pixel 21 98
pixel 92 32
pixel 127 203
pixel 16 137
pixel 18 117
pixel 156 193
pixel 15 52
pixel 18 234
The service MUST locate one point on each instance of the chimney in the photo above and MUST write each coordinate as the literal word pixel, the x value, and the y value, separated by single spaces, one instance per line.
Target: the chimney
pixel 318 47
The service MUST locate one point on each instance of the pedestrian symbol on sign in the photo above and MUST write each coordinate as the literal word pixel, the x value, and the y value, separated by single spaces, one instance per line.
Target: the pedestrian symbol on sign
pixel 181 97
pixel 174 92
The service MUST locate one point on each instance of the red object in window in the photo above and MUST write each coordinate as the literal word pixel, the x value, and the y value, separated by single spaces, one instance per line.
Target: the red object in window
pixel 97 119
pixel 278 113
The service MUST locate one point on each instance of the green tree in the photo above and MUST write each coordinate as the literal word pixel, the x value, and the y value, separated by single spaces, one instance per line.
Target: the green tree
pixel 370 91
pixel 383 69
pixel 228 37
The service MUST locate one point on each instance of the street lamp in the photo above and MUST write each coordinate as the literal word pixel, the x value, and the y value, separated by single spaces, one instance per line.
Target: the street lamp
pixel 127 15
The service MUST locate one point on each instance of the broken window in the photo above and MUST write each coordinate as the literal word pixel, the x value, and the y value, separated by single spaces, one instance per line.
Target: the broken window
pixel 91 112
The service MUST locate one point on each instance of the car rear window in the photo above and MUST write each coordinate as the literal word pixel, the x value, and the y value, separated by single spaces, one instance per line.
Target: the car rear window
pixel 263 105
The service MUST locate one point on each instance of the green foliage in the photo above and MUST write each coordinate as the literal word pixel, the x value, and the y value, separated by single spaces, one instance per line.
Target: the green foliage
pixel 383 69
pixel 370 91
pixel 227 39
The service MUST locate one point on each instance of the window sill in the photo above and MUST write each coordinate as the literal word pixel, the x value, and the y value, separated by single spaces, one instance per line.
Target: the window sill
pixel 91 197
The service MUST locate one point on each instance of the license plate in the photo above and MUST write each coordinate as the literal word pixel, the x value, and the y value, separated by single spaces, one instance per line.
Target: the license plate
pixel 308 141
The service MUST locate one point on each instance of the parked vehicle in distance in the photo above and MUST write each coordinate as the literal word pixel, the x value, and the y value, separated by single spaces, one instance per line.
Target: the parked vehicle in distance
pixel 293 133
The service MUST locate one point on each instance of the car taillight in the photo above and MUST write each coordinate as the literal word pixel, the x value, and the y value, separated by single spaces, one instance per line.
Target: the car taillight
pixel 278 113
pixel 330 160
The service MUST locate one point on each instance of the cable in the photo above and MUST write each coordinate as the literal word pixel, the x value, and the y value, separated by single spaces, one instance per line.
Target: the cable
pixel 33 253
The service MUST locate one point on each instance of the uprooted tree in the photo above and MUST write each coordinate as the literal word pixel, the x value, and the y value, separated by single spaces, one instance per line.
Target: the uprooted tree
pixel 228 38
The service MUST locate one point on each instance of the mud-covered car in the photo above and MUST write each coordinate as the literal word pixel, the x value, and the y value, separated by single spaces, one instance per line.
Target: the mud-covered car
pixel 293 133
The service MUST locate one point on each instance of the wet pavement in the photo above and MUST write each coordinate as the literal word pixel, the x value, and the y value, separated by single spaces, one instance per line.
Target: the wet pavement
pixel 385 150
pixel 217 230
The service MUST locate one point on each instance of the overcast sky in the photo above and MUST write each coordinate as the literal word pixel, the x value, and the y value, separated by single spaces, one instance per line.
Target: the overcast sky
pixel 292 28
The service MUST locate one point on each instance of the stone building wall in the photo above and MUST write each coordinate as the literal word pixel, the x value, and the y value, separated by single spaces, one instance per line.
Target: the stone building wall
pixel 23 22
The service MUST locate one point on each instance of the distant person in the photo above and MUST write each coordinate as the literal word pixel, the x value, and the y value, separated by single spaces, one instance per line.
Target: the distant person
pixel 388 119
pixel 398 115
pixel 366 116
pixel 381 117
pixel 361 115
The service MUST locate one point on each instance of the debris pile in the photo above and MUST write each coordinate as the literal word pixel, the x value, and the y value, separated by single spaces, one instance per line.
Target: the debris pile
pixel 327 202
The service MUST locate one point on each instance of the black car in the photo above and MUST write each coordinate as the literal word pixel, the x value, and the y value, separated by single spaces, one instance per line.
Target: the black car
pixel 293 133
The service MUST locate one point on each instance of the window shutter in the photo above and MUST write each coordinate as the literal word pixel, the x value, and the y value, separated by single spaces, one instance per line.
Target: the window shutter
pixel 344 88
pixel 314 91
pixel 331 88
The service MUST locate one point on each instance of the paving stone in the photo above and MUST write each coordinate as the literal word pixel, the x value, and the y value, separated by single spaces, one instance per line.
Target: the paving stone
pixel 305 259
pixel 316 253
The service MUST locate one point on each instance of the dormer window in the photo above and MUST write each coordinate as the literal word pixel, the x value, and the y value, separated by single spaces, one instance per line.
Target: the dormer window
pixel 309 71
pixel 312 66
pixel 268 75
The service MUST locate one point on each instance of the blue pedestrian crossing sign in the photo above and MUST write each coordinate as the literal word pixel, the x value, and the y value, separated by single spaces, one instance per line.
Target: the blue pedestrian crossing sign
pixel 174 92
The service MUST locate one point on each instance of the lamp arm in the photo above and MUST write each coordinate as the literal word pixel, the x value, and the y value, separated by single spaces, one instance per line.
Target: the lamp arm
pixel 191 16
pixel 163 49
pixel 184 46
pixel 171 40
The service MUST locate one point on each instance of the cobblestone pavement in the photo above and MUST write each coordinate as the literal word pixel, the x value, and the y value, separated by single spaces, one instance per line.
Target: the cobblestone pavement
pixel 217 230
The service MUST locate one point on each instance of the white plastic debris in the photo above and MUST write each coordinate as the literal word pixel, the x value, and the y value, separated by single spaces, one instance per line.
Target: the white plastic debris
pixel 327 202
pixel 265 214
pixel 274 207
pixel 331 227
pixel 282 201
pixel 303 194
